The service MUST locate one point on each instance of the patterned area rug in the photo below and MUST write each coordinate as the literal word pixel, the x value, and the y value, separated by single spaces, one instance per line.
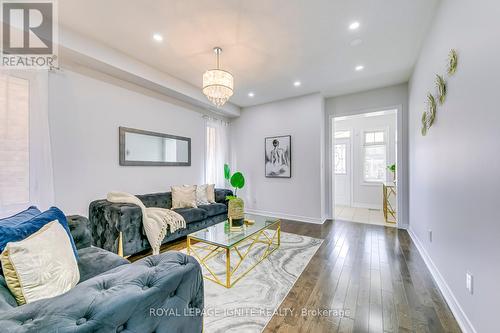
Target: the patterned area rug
pixel 248 306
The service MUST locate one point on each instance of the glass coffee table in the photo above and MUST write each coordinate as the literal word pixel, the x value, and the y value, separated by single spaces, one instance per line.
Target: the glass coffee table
pixel 249 246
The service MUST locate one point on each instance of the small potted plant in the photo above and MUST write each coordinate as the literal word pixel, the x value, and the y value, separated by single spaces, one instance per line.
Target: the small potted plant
pixel 392 168
pixel 236 207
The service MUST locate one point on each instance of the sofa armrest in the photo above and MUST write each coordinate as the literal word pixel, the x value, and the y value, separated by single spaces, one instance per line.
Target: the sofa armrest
pixel 109 220
pixel 79 226
pixel 162 293
pixel 221 194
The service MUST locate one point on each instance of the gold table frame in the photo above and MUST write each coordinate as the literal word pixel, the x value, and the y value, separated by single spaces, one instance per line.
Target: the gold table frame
pixel 390 213
pixel 214 249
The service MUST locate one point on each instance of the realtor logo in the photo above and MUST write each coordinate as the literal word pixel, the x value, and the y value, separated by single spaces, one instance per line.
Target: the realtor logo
pixel 29 34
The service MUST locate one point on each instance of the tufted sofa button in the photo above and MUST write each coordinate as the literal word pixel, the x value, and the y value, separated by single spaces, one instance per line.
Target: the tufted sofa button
pixel 27 321
pixel 145 287
pixel 172 294
pixel 81 321
pixel 120 328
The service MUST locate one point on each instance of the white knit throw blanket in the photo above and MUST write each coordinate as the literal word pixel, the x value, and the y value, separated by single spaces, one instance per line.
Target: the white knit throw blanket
pixel 155 221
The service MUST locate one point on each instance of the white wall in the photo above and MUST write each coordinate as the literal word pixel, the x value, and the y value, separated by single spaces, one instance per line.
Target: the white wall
pixel 372 100
pixel 364 194
pixel 454 170
pixel 85 112
pixel 299 197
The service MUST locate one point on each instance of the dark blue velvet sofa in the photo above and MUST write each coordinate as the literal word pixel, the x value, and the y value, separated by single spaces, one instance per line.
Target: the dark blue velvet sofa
pixel 118 227
pixel 161 293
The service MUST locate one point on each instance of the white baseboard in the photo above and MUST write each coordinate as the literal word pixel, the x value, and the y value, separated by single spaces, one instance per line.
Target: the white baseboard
pixel 462 319
pixel 315 220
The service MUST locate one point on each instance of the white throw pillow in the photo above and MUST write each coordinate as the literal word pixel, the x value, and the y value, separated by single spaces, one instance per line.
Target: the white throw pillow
pixel 211 193
pixel 201 195
pixel 184 196
pixel 40 266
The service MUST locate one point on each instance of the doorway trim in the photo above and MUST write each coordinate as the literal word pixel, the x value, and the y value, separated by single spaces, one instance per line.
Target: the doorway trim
pixel 401 151
pixel 332 161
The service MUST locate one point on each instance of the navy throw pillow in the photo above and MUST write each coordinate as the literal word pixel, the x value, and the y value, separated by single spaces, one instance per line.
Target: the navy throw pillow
pixel 22 225
pixel 21 217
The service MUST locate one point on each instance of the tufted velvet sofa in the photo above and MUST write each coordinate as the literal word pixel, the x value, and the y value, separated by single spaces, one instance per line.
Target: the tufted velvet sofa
pixel 118 227
pixel 162 293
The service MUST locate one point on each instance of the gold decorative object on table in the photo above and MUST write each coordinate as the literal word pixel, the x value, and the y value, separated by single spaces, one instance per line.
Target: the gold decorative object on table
pixel 390 199
pixel 249 222
pixel 208 243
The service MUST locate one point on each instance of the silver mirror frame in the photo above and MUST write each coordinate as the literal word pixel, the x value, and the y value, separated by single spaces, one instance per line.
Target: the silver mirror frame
pixel 124 162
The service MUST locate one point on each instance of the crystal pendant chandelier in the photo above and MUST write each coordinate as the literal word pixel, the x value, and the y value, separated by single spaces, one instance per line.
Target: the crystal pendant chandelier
pixel 217 83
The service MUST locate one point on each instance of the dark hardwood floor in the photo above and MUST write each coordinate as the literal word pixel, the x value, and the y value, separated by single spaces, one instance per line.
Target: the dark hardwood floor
pixel 374 274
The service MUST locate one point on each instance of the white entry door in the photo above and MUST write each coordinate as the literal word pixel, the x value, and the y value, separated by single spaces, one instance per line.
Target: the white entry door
pixel 342 171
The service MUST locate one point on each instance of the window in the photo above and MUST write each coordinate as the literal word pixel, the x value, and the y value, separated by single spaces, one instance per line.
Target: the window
pixel 340 156
pixel 342 134
pixel 375 156
pixel 210 152
pixel 216 151
pixel 374 137
pixel 26 173
pixel 14 141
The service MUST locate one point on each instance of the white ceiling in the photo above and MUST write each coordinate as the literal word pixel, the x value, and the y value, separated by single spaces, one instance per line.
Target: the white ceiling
pixel 267 44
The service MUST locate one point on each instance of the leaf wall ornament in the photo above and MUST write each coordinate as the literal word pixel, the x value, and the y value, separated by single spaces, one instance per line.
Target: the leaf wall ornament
pixel 441 87
pixel 429 116
pixel 424 124
pixel 452 62
pixel 431 110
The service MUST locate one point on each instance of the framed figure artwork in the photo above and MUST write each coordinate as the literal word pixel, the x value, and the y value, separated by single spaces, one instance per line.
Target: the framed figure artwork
pixel 278 150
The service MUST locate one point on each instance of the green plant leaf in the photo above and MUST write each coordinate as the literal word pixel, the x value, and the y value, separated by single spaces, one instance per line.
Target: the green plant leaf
pixel 227 172
pixel 238 180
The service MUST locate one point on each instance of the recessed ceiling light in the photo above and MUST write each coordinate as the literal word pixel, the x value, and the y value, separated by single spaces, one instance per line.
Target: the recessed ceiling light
pixel 359 68
pixel 157 37
pixel 297 83
pixel 251 94
pixel 354 25
pixel 356 42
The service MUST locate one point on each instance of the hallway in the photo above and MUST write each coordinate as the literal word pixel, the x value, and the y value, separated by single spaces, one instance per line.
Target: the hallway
pixel 361 215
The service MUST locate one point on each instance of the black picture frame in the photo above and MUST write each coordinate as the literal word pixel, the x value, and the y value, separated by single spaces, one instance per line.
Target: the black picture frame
pixel 283 170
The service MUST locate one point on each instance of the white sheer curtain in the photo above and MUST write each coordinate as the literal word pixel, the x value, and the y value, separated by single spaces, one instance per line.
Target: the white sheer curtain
pixel 26 175
pixel 216 152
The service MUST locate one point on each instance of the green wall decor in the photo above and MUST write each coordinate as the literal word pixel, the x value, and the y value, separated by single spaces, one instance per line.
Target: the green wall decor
pixel 441 87
pixel 429 116
pixel 424 123
pixel 432 108
pixel 452 62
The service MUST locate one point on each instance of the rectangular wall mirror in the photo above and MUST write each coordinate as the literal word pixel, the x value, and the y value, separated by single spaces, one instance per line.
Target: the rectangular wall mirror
pixel 144 148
